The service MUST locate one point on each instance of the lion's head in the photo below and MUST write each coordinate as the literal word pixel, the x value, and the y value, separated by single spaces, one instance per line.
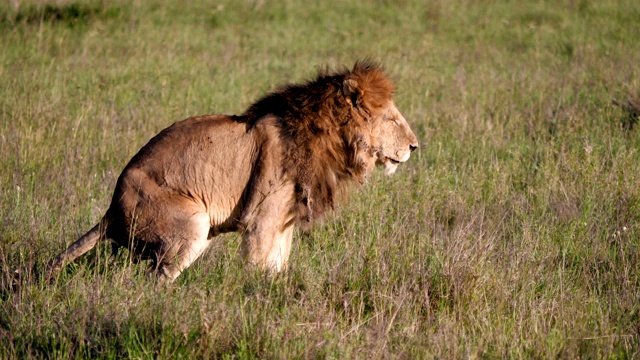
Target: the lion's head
pixel 390 140
pixel 337 128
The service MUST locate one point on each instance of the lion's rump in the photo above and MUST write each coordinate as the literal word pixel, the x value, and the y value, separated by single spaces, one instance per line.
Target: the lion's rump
pixel 202 162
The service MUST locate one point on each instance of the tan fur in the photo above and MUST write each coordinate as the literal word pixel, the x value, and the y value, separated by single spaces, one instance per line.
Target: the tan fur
pixel 287 160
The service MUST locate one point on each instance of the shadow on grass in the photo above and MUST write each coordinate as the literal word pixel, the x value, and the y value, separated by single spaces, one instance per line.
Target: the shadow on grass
pixel 631 111
pixel 102 338
pixel 70 14
pixel 77 326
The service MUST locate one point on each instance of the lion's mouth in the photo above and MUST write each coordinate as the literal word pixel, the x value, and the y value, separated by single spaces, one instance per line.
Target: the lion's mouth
pixel 393 161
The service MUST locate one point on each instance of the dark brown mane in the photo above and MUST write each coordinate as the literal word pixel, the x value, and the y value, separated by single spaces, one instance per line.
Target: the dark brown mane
pixel 323 133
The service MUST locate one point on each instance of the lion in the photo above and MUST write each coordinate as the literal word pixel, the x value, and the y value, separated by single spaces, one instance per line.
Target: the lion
pixel 286 161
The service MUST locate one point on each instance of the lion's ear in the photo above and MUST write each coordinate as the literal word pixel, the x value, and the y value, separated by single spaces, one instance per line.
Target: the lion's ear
pixel 353 92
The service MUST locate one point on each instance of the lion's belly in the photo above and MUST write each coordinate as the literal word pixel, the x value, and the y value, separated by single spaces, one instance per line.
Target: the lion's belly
pixel 224 214
pixel 155 214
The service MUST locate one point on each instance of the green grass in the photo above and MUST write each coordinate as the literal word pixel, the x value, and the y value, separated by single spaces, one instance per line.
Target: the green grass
pixel 514 232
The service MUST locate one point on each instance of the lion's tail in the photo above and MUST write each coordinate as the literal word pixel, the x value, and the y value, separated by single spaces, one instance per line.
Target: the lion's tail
pixel 85 243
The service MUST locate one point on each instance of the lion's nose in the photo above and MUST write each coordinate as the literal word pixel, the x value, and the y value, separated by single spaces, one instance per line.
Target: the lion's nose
pixel 412 147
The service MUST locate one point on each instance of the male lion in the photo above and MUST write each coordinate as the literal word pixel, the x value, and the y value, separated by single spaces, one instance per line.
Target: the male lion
pixel 285 161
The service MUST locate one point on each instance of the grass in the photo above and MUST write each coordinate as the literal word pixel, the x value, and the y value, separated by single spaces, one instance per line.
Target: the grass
pixel 513 233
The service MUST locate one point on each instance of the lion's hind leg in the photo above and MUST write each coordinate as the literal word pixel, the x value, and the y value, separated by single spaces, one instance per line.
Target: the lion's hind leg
pixel 184 248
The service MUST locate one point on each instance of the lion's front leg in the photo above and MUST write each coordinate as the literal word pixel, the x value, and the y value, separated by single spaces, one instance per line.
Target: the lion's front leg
pixel 268 229
pixel 267 218
pixel 268 247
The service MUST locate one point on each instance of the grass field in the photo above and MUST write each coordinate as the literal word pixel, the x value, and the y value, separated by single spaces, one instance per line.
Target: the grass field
pixel 514 232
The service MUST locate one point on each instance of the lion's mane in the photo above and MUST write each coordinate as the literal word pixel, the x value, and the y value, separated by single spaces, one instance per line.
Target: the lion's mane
pixel 323 133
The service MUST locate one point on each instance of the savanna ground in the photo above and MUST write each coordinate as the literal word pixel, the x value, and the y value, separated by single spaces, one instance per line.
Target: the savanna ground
pixel 514 232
